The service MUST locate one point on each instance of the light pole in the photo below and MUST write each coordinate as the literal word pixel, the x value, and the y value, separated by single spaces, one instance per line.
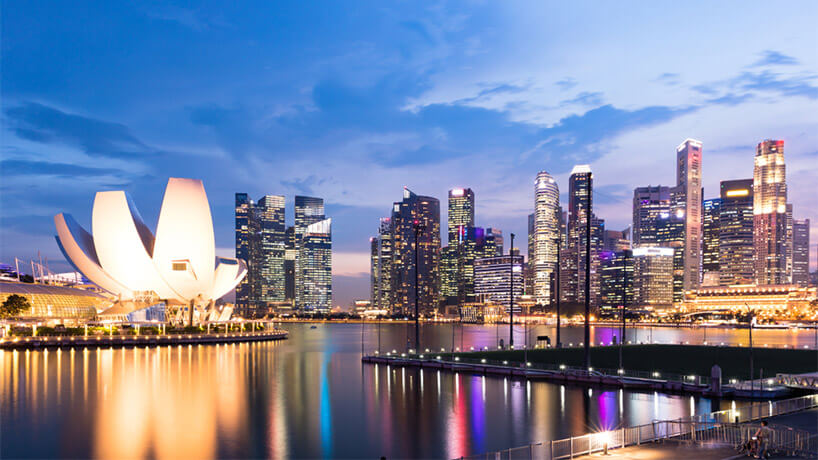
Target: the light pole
pixel 588 273
pixel 557 290
pixel 752 323
pixel 624 302
pixel 418 228
pixel 511 294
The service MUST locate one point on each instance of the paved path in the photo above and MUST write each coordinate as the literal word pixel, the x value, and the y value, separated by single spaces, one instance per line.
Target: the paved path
pixel 670 451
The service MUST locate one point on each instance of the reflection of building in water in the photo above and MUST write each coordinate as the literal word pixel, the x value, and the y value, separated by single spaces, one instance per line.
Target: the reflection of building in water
pixel 771 301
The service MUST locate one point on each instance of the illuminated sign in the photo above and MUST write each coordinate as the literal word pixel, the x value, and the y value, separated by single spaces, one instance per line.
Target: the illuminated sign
pixel 652 251
pixel 457 192
pixel 738 192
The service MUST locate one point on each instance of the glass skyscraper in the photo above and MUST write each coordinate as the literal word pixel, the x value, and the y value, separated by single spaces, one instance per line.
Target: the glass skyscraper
pixel 770 214
pixel 492 279
pixel 736 232
pixel 710 241
pixel 800 252
pixel 546 235
pixel 650 204
pixel 314 265
pixel 689 185
pixel 461 211
pixel 308 210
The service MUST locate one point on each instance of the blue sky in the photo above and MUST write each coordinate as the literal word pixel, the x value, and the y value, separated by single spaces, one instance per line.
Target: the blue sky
pixel 351 101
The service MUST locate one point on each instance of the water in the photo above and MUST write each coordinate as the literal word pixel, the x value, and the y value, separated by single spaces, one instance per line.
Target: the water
pixel 309 397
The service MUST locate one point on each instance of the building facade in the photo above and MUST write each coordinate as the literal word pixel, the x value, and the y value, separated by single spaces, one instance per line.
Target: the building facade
pixel 493 277
pixel 314 268
pixel 710 241
pixel 800 252
pixel 689 184
pixel 616 282
pixel 770 214
pixel 652 277
pixel 736 232
pixel 546 236
pixel 461 211
pixel 650 204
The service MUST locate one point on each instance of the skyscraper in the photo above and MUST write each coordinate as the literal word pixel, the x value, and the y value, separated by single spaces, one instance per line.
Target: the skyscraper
pixel 710 241
pixel 580 192
pixel 689 185
pixel 649 205
pixel 546 235
pixel 800 252
pixel 770 214
pixel 492 279
pixel 614 282
pixel 384 241
pixel 308 210
pixel 245 247
pixel 289 265
pixel 374 273
pixel 314 268
pixel 528 274
pixel 652 275
pixel 461 211
pixel 736 232
pixel 494 242
pixel 423 213
pixel 269 213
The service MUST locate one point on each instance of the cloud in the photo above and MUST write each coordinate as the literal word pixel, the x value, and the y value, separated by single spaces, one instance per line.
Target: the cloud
pixel 43 168
pixel 190 18
pixel 585 98
pixel 770 57
pixel 731 99
pixel 774 82
pixel 47 125
pixel 669 78
pixel 566 83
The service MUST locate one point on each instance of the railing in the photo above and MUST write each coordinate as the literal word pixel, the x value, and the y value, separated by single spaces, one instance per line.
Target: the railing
pixel 726 427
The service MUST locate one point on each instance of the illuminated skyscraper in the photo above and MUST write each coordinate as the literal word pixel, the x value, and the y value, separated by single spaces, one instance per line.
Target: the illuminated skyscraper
pixel 245 248
pixel 652 276
pixel 384 241
pixel 649 205
pixel 736 232
pixel 374 273
pixel 800 252
pixel 529 266
pixel 289 265
pixel 314 268
pixel 580 193
pixel 710 241
pixel 461 211
pixel 770 214
pixel 422 212
pixel 494 242
pixel 614 283
pixel 492 279
pixel 308 210
pixel 689 185
pixel 546 235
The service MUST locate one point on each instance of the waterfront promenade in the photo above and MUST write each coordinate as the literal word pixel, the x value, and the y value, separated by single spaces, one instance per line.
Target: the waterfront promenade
pixel 38 342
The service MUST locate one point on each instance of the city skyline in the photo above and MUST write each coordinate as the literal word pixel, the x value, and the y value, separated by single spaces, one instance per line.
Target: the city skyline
pixel 355 135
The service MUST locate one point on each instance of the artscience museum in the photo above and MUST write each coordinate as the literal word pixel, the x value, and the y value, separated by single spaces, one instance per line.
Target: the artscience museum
pixel 175 265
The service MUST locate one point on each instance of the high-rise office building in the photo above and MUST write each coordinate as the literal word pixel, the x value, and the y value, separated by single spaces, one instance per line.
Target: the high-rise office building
pixel 650 204
pixel 470 246
pixel 374 273
pixel 461 211
pixel 770 214
pixel 670 233
pixel 269 212
pixel 493 276
pixel 615 240
pixel 289 265
pixel 736 232
pixel 448 275
pixel 314 265
pixel 422 213
pixel 245 248
pixel 494 242
pixel 385 255
pixel 546 235
pixel 308 210
pixel 689 185
pixel 616 282
pixel 573 270
pixel 800 252
pixel 710 241
pixel 528 273
pixel 652 277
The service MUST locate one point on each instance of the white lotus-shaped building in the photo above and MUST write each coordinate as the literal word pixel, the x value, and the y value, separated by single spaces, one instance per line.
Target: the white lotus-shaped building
pixel 123 256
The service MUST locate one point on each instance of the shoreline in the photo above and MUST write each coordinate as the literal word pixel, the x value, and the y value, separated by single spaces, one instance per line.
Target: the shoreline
pixel 119 341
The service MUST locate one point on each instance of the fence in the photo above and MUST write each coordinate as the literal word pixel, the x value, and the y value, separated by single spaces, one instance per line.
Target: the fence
pixel 726 427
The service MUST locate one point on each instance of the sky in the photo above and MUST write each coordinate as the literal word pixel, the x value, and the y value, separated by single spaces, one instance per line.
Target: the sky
pixel 351 101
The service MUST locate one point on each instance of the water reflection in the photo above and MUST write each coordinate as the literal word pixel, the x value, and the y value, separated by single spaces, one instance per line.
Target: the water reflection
pixel 305 397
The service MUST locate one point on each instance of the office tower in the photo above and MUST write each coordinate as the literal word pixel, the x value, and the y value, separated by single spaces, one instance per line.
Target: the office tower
pixel 269 213
pixel 461 211
pixel 652 277
pixel 710 241
pixel 448 275
pixel 528 273
pixel 580 192
pixel 615 240
pixel 614 282
pixel 789 233
pixel 494 242
pixel 736 232
pixel 422 212
pixel 385 263
pixel 314 268
pixel 245 247
pixel 374 273
pixel 689 185
pixel 546 234
pixel 650 204
pixel 670 233
pixel 770 214
pixel 289 265
pixel 308 210
pixel 800 252
pixel 492 279
pixel 470 246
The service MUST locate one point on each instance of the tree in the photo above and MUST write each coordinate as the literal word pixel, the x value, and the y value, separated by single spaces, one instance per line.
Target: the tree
pixel 13 306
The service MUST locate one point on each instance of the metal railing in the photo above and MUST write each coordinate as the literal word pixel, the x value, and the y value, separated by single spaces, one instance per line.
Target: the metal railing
pixel 728 427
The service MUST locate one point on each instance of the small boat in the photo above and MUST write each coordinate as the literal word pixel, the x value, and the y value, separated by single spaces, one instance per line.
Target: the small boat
pixel 313 327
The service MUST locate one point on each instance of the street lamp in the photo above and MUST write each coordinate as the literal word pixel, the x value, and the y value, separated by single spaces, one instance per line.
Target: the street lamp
pixel 511 293
pixel 419 227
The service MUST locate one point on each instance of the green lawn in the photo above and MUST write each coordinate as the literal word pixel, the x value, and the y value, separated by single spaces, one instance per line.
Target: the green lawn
pixel 679 359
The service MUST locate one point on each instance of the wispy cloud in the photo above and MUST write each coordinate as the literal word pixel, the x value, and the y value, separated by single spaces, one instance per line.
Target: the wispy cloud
pixel 43 168
pixel 566 83
pixel 585 98
pixel 40 123
pixel 771 57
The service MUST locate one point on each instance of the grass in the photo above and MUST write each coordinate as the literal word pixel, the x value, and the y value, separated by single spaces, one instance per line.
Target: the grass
pixel 678 359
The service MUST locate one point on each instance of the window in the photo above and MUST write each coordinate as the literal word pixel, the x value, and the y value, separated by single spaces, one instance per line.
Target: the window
pixel 179 266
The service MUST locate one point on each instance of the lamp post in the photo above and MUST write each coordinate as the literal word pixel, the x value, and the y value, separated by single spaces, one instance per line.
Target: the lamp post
pixel 557 290
pixel 511 294
pixel 418 228
pixel 624 303
pixel 752 323
pixel 588 273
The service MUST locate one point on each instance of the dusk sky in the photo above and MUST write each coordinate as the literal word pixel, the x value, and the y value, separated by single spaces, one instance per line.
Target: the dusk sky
pixel 351 101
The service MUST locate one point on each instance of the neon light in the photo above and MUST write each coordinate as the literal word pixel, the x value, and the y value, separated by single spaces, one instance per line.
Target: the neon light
pixel 738 192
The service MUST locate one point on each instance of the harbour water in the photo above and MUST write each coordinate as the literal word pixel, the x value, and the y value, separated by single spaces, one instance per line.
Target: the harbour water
pixel 310 397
